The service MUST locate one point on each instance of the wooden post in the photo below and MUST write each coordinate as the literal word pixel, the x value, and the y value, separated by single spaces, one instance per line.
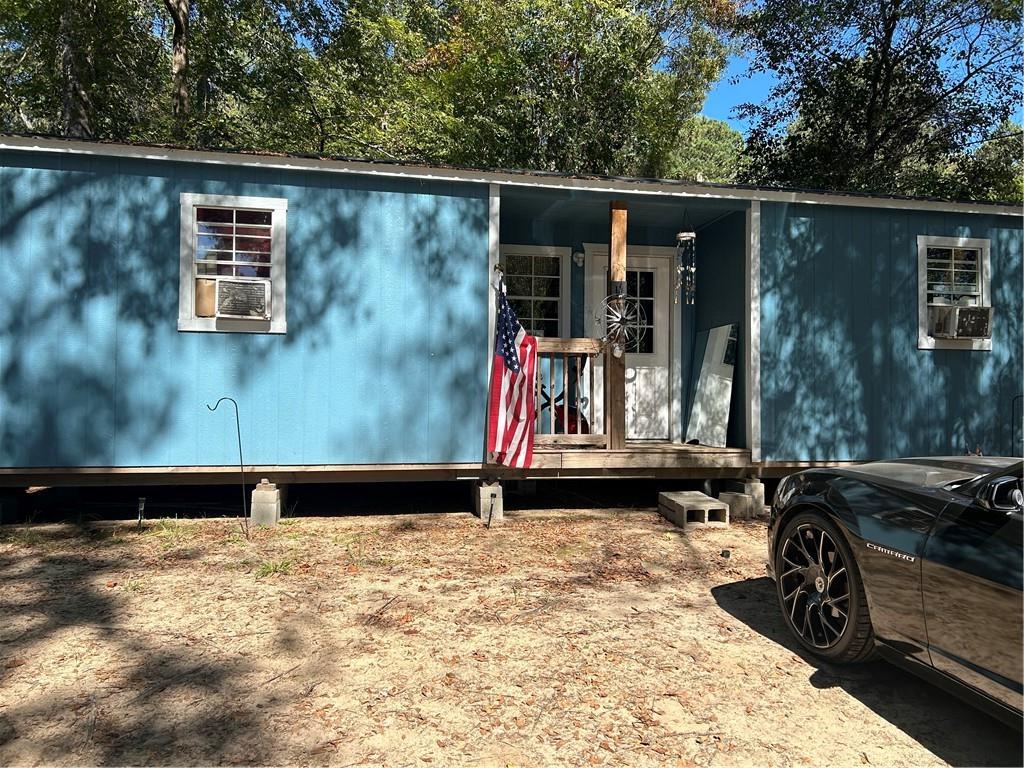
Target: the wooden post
pixel 615 367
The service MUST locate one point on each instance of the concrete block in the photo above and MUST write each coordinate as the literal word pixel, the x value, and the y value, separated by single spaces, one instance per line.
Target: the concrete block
pixel 487 503
pixel 692 509
pixel 265 508
pixel 741 505
pixel 753 488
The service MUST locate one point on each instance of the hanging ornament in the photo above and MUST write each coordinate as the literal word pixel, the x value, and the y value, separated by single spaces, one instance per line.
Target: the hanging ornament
pixel 686 265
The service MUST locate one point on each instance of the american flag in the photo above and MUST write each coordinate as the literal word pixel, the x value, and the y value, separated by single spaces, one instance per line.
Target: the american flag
pixel 512 404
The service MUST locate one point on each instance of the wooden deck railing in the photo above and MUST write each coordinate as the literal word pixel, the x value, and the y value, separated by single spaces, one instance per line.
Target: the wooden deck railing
pixel 565 393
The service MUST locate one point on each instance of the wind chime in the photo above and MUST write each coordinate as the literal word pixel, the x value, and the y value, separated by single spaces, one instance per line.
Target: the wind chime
pixel 686 264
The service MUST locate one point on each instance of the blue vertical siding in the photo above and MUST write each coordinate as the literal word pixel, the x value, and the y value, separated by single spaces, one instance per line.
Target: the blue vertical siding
pixel 842 377
pixel 721 300
pixel 386 347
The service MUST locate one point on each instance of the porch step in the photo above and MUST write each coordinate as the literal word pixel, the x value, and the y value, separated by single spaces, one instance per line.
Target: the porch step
pixel 693 509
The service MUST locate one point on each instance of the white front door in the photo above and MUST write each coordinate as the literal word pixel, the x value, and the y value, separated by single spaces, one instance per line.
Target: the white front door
pixel 651 397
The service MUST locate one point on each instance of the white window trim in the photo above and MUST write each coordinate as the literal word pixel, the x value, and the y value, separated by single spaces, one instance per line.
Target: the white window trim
pixel 564 293
pixel 924 242
pixel 187 321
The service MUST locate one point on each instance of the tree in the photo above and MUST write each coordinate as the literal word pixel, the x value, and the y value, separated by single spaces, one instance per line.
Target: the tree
pixel 707 150
pixel 880 88
pixel 583 86
pixel 86 68
pixel 179 12
pixel 576 86
pixel 997 164
pixel 993 171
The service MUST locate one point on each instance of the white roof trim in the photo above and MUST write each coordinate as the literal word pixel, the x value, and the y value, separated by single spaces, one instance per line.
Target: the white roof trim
pixel 503 178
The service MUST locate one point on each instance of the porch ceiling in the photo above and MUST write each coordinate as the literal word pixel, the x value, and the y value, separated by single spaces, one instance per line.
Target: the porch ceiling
pixel 590 210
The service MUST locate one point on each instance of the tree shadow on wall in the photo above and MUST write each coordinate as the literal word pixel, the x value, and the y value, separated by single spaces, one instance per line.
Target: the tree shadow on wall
pixel 384 298
pixel 842 372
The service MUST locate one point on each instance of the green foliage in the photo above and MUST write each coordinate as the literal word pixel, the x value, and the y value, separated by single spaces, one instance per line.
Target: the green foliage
pixel 707 150
pixel 101 54
pixel 896 96
pixel 888 96
pixel 991 171
pixel 274 567
pixel 576 85
pixel 172 533
pixel 582 86
pixel 133 585
pixel 995 170
pixel 22 537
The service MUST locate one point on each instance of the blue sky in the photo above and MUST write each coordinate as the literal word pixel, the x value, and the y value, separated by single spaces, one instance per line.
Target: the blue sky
pixel 735 88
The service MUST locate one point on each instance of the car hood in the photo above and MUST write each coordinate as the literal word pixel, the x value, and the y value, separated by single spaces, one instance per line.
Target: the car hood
pixel 932 471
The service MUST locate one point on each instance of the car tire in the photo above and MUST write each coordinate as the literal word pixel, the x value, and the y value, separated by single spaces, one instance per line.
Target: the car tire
pixel 813 616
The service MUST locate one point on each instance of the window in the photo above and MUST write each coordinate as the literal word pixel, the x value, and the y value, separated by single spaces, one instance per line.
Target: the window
pixel 232 264
pixel 535 279
pixel 640 286
pixel 953 273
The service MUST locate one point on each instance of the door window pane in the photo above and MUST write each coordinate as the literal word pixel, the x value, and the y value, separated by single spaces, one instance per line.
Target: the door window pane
pixel 640 285
pixel 646 288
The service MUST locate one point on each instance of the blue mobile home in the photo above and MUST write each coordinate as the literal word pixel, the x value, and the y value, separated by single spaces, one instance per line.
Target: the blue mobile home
pixel 347 307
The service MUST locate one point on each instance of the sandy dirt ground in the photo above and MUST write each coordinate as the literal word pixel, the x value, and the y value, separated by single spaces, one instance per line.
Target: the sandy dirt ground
pixel 572 638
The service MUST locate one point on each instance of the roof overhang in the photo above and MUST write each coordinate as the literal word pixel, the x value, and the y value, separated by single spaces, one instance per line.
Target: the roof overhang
pixel 608 185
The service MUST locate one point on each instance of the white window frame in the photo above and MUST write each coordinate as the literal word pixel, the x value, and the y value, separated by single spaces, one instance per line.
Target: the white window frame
pixel 924 242
pixel 187 320
pixel 564 294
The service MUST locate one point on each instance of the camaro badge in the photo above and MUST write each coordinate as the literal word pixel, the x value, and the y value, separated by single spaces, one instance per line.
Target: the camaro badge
pixel 891 552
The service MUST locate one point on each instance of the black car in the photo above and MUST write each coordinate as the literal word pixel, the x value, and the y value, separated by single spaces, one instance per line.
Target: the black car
pixel 917 560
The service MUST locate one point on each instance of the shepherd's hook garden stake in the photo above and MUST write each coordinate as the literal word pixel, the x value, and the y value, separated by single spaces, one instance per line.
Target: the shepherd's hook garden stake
pixel 241 470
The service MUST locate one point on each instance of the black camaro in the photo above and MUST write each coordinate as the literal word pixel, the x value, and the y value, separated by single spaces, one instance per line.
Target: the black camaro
pixel 919 560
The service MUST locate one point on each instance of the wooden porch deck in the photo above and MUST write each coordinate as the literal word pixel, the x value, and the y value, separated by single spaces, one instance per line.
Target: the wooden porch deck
pixel 635 460
pixel 642 460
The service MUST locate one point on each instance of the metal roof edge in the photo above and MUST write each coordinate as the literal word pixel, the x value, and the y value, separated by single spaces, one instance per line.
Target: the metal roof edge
pixel 502 177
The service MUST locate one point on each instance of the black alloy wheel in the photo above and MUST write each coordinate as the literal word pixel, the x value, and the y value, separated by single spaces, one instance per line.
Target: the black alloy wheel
pixel 820 591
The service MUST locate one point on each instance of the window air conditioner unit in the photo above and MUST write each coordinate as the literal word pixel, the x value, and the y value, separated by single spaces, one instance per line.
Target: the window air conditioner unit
pixel 243 299
pixel 960 322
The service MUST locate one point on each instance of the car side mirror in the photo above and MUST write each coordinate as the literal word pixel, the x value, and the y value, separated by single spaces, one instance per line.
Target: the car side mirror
pixel 1004 493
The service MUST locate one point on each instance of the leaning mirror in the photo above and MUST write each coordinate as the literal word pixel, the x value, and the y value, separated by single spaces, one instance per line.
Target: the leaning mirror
pixel 709 414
